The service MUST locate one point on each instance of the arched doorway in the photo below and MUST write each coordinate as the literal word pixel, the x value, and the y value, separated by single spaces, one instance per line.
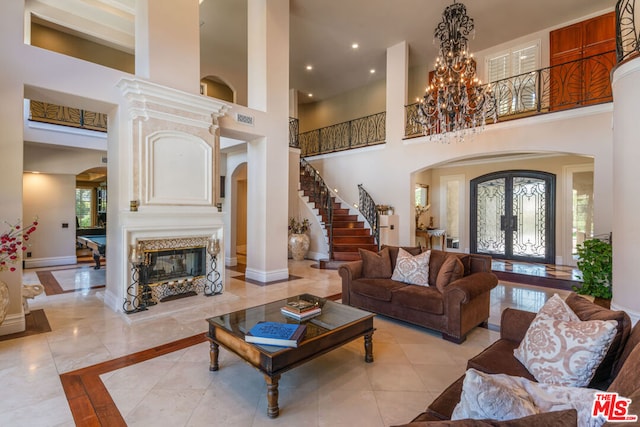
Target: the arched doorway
pixel 513 215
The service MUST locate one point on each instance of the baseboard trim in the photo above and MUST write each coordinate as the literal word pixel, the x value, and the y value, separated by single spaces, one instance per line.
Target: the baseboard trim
pixel 13 324
pixel 266 276
pixel 50 262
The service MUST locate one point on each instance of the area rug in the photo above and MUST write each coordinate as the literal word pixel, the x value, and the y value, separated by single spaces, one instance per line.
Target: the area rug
pixel 36 323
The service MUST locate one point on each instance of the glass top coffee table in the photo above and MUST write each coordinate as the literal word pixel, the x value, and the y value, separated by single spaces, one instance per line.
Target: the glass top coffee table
pixel 335 326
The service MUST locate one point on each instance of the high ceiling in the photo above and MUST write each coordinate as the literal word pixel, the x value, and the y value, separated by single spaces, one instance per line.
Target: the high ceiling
pixel 322 31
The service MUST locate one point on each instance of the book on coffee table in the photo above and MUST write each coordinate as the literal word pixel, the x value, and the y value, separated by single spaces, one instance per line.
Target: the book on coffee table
pixel 276 333
pixel 301 305
pixel 302 315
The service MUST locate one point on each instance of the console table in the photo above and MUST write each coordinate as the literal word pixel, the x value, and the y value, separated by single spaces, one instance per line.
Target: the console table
pixel 427 235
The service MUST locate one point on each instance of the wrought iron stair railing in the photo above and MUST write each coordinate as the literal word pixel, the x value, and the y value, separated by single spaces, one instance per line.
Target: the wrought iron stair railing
pixel 367 207
pixel 314 185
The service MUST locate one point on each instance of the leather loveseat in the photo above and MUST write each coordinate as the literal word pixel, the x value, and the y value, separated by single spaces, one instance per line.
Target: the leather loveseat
pixel 619 371
pixel 453 303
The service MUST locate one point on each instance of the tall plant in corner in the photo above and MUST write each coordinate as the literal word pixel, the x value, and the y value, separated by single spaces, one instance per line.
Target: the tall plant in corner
pixel 595 261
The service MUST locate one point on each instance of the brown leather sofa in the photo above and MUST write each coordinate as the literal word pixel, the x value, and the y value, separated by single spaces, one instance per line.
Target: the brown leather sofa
pixel 461 306
pixel 619 371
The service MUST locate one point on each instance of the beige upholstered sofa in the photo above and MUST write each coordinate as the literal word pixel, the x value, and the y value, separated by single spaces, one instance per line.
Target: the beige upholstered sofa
pixel 454 301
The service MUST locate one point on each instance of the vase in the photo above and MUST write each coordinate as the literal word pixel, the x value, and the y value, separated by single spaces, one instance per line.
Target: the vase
pixel 299 245
pixel 4 301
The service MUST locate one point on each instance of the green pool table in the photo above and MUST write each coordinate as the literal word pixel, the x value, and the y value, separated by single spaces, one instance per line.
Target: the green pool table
pixel 97 243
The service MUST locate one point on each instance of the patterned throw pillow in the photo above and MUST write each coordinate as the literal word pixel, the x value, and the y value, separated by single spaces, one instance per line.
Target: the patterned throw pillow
pixel 492 397
pixel 410 269
pixel 555 308
pixel 504 397
pixel 565 352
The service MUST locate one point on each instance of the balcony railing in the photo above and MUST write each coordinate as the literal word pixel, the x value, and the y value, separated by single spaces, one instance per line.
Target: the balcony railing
pixel 570 85
pixel 361 132
pixel 294 131
pixel 66 116
pixel 627 35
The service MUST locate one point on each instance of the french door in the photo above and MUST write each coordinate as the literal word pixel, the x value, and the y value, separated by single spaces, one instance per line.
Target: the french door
pixel 513 215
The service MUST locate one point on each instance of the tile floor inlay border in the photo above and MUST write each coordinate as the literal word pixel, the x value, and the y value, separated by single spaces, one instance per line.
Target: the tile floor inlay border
pixel 36 323
pixel 52 286
pixel 90 402
pixel 88 398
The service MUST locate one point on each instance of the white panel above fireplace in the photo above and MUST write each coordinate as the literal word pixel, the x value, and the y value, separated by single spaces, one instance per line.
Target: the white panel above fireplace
pixel 179 169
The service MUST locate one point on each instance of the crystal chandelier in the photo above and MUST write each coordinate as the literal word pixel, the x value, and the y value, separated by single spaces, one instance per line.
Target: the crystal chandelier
pixel 456 103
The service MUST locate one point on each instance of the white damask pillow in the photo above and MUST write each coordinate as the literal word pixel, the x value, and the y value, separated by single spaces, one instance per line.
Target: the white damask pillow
pixel 410 269
pixel 495 397
pixel 557 309
pixel 503 397
pixel 565 352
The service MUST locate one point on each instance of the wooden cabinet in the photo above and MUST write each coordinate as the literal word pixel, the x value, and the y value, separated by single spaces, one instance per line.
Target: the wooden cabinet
pixel 582 56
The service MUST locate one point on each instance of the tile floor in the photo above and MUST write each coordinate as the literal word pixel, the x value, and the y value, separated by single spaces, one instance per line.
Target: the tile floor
pixel 412 365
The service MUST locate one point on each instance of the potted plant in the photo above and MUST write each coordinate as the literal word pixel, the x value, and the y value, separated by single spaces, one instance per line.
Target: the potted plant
pixel 299 241
pixel 595 264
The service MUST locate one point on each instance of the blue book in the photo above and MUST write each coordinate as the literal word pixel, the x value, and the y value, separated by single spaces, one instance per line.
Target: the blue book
pixel 276 333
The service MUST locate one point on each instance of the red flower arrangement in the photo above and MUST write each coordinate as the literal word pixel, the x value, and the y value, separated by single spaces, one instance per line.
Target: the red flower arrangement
pixel 12 242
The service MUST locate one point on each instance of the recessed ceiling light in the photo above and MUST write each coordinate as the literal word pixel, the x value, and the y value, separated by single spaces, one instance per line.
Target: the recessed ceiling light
pixel 310 95
pixel 372 71
pixel 309 67
pixel 355 46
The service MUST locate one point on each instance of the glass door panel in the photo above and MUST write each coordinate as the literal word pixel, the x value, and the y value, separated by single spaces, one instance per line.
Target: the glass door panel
pixel 490 213
pixel 528 217
pixel 513 215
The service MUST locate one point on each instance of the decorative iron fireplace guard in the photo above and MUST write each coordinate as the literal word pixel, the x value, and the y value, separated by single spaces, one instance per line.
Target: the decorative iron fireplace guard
pixel 167 269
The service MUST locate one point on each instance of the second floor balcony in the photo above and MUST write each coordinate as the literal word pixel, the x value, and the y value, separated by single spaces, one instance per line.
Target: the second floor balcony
pixel 570 85
pixel 560 87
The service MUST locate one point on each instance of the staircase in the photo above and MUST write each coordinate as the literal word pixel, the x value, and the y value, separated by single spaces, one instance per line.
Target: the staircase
pixel 345 233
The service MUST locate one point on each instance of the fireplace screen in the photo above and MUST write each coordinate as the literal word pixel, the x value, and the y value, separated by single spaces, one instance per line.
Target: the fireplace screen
pixel 166 265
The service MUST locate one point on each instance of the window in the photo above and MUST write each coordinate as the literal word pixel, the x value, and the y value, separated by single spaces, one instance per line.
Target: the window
pixel 513 72
pixel 84 207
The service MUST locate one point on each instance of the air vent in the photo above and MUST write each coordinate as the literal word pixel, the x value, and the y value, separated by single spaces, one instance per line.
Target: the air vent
pixel 104 160
pixel 244 119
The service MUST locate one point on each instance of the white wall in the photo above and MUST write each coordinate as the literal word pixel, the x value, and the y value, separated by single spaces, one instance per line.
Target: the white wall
pixel 386 170
pixel 51 199
pixel 360 102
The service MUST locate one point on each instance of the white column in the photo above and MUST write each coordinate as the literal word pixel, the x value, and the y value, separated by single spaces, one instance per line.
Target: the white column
pixel 397 87
pixel 268 156
pixel 168 43
pixel 626 152
pixel 11 147
pixel 397 81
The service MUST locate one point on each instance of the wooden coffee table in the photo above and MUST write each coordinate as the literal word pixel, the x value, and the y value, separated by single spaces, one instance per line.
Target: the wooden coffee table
pixel 337 325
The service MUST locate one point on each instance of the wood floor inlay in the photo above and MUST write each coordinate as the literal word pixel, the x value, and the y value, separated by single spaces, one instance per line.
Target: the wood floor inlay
pixel 52 286
pixel 90 402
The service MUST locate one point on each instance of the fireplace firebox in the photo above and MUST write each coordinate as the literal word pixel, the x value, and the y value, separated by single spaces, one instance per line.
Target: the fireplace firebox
pixel 173 265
